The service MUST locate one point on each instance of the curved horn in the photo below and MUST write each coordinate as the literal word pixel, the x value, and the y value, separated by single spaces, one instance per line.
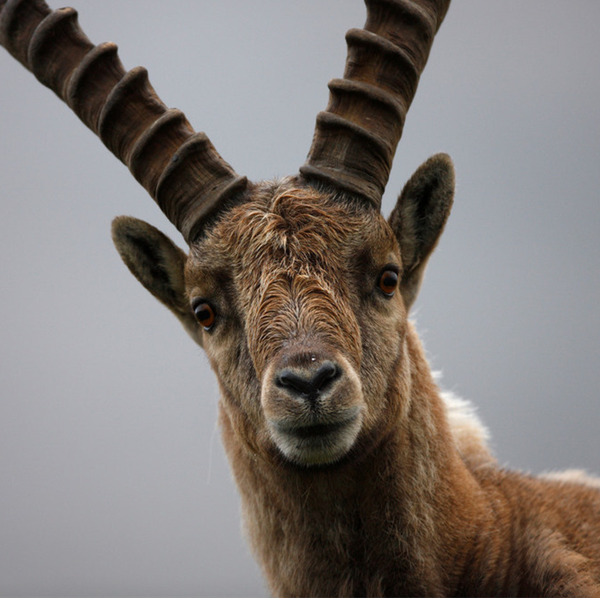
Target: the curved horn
pixel 356 136
pixel 180 168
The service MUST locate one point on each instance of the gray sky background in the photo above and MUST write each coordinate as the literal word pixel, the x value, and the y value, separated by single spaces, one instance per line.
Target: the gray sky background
pixel 113 480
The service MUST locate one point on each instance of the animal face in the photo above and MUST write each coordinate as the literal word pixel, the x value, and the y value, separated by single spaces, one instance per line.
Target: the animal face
pixel 294 291
pixel 304 295
pixel 300 299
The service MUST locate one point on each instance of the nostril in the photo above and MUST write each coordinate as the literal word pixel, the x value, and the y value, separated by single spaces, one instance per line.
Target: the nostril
pixel 326 373
pixel 308 382
pixel 288 378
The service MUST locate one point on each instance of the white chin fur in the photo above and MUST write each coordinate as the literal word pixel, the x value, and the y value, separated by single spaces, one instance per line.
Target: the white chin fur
pixel 316 450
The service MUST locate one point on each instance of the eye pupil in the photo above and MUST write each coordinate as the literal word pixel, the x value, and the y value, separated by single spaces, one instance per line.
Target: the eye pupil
pixel 388 281
pixel 204 314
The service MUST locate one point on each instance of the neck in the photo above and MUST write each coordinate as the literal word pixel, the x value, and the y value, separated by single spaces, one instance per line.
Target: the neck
pixel 380 524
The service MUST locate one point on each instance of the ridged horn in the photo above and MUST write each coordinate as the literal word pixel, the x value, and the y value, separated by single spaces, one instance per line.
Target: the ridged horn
pixel 178 167
pixel 356 136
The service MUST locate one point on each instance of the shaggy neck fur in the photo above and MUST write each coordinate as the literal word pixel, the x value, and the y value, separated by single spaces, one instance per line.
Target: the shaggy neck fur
pixel 341 530
pixel 417 506
pixel 408 516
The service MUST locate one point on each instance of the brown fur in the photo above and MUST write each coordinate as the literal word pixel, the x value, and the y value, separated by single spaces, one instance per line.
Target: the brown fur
pixel 400 504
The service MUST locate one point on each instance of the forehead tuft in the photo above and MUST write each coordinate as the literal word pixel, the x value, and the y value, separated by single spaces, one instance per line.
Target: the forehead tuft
pixel 284 221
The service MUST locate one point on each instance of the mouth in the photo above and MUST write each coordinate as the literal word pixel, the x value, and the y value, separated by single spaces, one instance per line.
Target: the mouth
pixel 307 432
pixel 317 443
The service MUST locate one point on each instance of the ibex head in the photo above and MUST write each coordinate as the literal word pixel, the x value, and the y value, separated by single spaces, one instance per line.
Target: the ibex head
pixel 298 290
pixel 299 297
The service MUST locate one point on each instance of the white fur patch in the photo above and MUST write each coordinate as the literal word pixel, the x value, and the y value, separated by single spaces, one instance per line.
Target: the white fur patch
pixel 470 434
pixel 573 476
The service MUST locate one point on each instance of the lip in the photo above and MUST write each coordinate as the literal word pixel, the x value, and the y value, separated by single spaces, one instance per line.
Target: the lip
pixel 314 430
pixel 317 442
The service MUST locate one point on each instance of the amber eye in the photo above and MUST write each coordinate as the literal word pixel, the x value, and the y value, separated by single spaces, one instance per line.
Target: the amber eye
pixel 388 282
pixel 204 313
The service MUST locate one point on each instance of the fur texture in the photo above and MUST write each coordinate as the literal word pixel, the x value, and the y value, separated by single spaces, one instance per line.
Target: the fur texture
pixel 358 477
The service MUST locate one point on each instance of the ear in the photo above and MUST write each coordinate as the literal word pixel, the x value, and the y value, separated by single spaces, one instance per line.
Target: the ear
pixel 419 218
pixel 158 264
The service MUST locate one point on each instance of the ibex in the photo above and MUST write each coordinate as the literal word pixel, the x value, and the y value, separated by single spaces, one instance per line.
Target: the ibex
pixel 357 476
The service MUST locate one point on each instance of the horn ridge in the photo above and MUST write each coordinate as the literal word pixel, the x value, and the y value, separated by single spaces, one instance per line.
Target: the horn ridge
pixel 157 143
pixel 19 20
pixel 384 62
pixel 203 168
pixel 162 138
pixel 397 71
pixel 130 108
pixel 53 63
pixel 92 81
pixel 374 109
pixel 409 25
pixel 352 142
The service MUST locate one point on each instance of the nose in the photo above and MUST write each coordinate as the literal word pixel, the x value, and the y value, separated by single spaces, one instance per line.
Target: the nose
pixel 310 381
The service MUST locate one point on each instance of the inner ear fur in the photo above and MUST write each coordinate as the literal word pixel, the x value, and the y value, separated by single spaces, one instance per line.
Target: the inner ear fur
pixel 419 217
pixel 158 264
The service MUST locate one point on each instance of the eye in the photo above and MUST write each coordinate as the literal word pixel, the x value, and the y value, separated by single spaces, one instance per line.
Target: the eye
pixel 205 313
pixel 388 282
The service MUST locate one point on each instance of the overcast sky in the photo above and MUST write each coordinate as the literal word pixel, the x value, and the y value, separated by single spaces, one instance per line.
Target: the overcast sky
pixel 113 480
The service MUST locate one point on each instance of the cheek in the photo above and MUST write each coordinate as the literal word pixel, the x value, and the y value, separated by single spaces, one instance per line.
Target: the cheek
pixel 230 360
pixel 383 336
pixel 242 420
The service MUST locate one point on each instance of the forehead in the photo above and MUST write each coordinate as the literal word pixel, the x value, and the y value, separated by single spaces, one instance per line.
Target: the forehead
pixel 293 227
